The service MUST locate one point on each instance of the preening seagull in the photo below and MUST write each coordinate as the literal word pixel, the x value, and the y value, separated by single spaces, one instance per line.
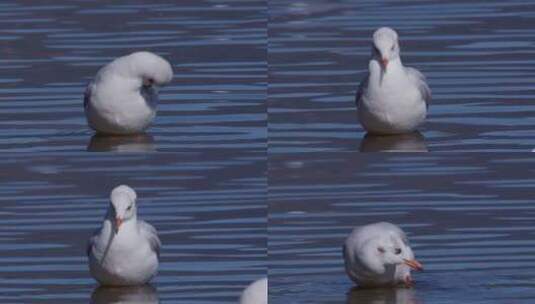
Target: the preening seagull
pixel 391 99
pixel 125 250
pixel 123 97
pixel 256 293
pixel 379 255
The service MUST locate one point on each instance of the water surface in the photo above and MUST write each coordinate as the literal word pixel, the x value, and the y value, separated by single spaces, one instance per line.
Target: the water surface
pixel 49 52
pixel 478 57
pixel 209 209
pixel 469 219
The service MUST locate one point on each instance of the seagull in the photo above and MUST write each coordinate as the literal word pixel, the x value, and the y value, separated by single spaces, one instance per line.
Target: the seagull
pixel 123 97
pixel 392 98
pixel 256 293
pixel 125 250
pixel 379 255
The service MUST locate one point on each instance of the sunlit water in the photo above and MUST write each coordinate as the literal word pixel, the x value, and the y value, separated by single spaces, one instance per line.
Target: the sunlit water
pixel 469 219
pixel 49 52
pixel 478 57
pixel 209 209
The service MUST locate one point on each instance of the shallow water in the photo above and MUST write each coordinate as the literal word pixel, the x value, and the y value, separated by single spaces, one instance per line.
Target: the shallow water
pixel 209 209
pixel 477 55
pixel 49 52
pixel 469 219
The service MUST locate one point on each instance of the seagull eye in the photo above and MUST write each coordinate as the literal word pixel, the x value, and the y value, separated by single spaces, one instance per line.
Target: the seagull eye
pixel 381 249
pixel 398 250
pixel 375 49
pixel 393 47
pixel 129 208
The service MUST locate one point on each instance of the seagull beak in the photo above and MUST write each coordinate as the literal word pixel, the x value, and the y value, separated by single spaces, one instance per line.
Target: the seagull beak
pixel 384 62
pixel 413 264
pixel 118 223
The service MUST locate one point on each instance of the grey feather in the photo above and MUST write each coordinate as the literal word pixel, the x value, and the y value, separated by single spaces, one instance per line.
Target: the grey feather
pixel 150 233
pixel 421 81
pixel 361 90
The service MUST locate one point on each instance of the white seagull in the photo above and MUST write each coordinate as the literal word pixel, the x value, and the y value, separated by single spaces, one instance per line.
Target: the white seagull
pixel 123 97
pixel 379 255
pixel 391 99
pixel 125 250
pixel 256 293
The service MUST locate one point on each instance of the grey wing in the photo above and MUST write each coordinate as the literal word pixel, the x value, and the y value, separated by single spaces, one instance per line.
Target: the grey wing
pixel 91 242
pixel 150 233
pixel 421 82
pixel 87 95
pixel 361 90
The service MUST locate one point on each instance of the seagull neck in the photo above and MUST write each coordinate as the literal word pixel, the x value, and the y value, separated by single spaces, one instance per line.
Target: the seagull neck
pixel 394 66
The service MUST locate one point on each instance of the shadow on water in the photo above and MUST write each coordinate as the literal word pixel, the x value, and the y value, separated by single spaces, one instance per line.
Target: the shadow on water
pixel 146 294
pixel 135 143
pixel 382 296
pixel 412 142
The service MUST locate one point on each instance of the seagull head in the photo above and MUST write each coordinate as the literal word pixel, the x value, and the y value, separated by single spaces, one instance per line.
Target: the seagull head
pixel 393 250
pixel 385 46
pixel 123 205
pixel 151 69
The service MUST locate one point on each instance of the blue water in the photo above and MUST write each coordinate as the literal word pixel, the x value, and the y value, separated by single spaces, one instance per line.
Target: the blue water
pixel 49 52
pixel 469 219
pixel 477 55
pixel 209 209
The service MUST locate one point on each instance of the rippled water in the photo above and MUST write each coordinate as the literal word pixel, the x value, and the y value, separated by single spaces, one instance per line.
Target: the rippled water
pixel 49 52
pixel 209 209
pixel 469 219
pixel 478 57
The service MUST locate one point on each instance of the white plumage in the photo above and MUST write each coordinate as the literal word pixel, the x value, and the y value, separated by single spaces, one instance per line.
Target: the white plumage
pixel 256 293
pixel 125 250
pixel 123 97
pixel 379 255
pixel 391 99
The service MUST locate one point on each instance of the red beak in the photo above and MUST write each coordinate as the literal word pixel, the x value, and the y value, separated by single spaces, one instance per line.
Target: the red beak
pixel 384 62
pixel 118 223
pixel 414 264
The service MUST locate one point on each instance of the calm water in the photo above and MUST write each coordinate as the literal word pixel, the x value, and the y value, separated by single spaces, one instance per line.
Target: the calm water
pixel 469 219
pixel 478 57
pixel 210 211
pixel 49 52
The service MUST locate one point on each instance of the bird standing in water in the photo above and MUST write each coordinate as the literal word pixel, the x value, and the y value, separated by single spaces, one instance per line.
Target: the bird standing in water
pixel 125 250
pixel 379 255
pixel 392 98
pixel 123 97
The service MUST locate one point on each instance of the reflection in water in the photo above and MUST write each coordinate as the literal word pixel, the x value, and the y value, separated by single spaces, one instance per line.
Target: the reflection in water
pixel 411 142
pixel 382 296
pixel 317 45
pixel 145 294
pixel 134 143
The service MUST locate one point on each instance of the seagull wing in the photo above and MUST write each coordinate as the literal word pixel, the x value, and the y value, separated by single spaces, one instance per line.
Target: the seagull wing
pixel 92 240
pixel 421 82
pixel 362 89
pixel 151 235
pixel 87 94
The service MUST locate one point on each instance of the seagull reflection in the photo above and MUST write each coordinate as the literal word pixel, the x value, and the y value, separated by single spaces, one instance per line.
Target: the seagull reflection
pixel 382 296
pixel 135 143
pixel 145 294
pixel 410 142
